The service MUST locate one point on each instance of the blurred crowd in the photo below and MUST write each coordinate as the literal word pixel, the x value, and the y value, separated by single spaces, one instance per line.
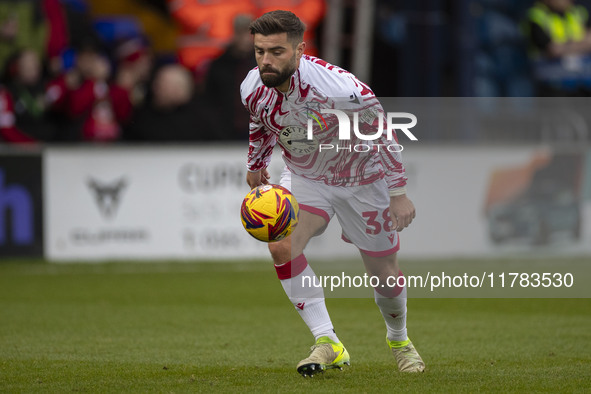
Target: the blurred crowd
pixel 70 76
pixel 169 70
pixel 529 48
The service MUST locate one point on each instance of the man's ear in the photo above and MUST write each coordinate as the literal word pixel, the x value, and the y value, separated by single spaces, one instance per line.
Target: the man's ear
pixel 300 49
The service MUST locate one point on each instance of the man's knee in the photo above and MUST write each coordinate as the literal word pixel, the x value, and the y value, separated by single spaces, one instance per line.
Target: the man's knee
pixel 281 251
pixel 382 267
pixel 292 246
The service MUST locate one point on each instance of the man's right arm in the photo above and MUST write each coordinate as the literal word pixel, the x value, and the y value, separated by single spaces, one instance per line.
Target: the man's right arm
pixel 261 141
pixel 257 178
pixel 261 144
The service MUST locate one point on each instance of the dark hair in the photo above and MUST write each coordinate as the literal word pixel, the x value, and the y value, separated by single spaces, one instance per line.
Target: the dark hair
pixel 278 21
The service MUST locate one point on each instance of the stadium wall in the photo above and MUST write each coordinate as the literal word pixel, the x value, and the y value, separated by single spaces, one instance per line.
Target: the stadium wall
pixel 174 202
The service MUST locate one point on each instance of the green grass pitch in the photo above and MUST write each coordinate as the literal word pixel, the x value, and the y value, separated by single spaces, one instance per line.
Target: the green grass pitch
pixel 228 327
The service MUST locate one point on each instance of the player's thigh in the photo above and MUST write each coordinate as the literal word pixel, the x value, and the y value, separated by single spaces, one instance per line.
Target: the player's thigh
pixel 292 246
pixel 364 215
pixel 316 210
pixel 309 225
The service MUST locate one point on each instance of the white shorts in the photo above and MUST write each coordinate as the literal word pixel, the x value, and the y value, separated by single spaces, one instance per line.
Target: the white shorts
pixel 362 211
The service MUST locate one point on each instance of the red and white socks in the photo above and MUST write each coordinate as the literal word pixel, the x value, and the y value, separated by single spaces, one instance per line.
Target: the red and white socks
pixel 298 279
pixel 393 308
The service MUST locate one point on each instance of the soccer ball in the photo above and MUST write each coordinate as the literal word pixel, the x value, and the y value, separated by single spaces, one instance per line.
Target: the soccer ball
pixel 269 213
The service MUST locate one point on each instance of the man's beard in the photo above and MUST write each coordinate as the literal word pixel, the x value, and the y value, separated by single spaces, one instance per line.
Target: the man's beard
pixel 276 79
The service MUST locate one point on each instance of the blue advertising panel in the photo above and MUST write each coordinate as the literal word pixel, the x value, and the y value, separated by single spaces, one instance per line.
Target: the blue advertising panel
pixel 21 205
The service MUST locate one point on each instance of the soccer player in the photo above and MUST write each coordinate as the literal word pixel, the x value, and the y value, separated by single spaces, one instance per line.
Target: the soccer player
pixel 364 186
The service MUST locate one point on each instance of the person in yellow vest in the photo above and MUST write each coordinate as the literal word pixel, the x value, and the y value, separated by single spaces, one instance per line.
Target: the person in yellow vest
pixel 558 28
pixel 559 33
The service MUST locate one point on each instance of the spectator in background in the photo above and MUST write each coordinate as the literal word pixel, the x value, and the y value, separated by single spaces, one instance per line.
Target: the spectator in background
pixel 57 98
pixel 206 28
pixel 58 37
pixel 310 12
pixel 173 113
pixel 223 83
pixel 23 101
pixel 559 30
pixel 134 68
pixel 59 89
pixel 97 107
pixel 22 25
pixel 9 133
pixel 38 25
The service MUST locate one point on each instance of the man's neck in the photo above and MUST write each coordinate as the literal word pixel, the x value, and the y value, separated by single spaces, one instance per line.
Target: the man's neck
pixel 284 87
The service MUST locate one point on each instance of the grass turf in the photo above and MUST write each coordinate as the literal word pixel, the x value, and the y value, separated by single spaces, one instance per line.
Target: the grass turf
pixel 228 327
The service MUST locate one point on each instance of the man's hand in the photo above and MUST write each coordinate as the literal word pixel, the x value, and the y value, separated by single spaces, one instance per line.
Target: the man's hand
pixel 257 178
pixel 402 211
pixel 568 48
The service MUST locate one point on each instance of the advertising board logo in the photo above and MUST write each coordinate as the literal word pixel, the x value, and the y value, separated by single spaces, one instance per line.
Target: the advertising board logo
pixel 107 195
pixel 17 200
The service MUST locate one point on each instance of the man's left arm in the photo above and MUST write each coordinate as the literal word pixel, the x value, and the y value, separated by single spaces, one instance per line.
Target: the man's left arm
pixel 402 209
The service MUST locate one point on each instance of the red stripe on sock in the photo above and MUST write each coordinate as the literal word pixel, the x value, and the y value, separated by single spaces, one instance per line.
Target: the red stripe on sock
pixel 292 268
pixel 390 292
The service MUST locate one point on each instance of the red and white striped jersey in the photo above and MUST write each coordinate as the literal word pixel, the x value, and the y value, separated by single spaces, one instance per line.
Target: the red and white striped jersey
pixel 286 117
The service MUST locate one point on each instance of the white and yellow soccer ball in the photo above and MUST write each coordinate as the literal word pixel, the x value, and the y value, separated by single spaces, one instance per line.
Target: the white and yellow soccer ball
pixel 269 213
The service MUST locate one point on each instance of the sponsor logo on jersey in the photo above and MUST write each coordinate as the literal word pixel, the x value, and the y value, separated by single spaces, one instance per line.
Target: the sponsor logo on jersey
pixel 294 140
